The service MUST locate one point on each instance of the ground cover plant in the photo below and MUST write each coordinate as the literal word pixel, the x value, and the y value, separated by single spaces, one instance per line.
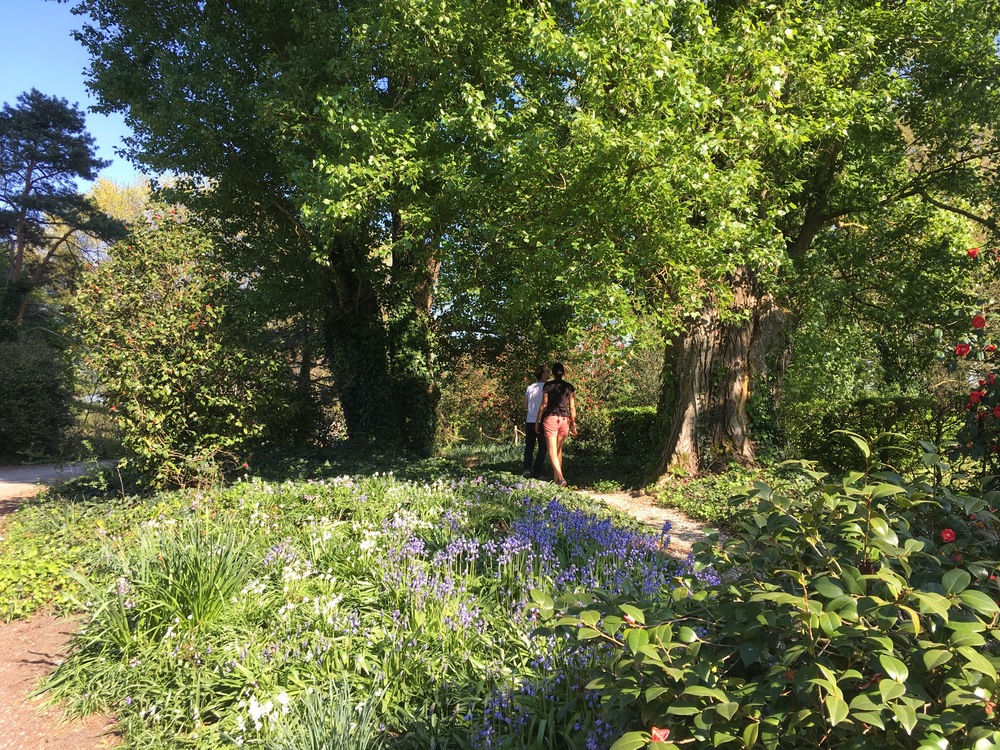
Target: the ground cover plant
pixel 217 619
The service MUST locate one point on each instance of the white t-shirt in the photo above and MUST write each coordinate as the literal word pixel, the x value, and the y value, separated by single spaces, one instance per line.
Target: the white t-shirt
pixel 534 396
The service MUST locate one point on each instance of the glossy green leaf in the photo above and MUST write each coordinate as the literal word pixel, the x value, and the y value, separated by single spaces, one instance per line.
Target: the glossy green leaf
pixel 956 580
pixel 836 709
pixel 631 741
pixel 893 667
pixel 934 658
pixel 978 662
pixel 980 602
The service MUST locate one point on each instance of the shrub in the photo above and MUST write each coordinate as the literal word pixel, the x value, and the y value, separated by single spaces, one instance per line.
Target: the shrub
pixel 165 329
pixel 35 400
pixel 908 419
pixel 632 430
pixel 843 619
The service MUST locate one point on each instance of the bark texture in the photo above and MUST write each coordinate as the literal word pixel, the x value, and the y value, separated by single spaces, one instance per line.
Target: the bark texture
pixel 710 374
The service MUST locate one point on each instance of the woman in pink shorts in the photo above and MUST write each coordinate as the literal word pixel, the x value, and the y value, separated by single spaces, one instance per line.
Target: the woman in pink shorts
pixel 557 418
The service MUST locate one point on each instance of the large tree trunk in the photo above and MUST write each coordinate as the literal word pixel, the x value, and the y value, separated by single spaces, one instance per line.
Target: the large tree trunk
pixel 710 373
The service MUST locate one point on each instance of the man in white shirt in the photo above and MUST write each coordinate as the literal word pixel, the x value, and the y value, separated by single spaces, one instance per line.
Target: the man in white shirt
pixel 532 401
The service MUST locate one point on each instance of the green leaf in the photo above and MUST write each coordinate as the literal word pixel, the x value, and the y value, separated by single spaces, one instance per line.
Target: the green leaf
pixel 750 652
pixel 706 692
pixel 652 693
pixel 890 690
pixel 956 580
pixel 585 634
pixel 893 667
pixel 727 710
pixel 979 602
pixel 934 658
pixel 930 603
pixel 750 734
pixel 906 716
pixel 882 531
pixel 830 622
pixel 828 587
pixel 836 709
pixel 886 490
pixel 686 635
pixel 859 441
pixel 680 710
pixel 977 662
pixel 635 613
pixel 631 741
pixel 636 639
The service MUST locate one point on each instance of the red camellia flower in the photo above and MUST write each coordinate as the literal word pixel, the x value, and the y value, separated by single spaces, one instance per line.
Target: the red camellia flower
pixel 996 411
pixel 978 321
pixel 660 735
pixel 956 556
pixel 975 397
pixel 947 535
pixel 962 349
pixel 990 348
pixel 973 252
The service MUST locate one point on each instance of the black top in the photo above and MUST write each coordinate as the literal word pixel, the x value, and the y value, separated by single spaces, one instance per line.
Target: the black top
pixel 558 392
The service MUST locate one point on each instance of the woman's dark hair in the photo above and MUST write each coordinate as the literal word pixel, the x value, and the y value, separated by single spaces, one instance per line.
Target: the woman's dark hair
pixel 558 370
pixel 539 371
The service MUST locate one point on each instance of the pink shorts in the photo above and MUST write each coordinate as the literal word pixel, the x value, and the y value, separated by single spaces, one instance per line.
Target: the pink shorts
pixel 553 425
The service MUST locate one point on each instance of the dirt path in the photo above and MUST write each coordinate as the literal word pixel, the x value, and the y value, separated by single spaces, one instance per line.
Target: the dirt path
pixel 29 649
pixel 19 482
pixel 684 531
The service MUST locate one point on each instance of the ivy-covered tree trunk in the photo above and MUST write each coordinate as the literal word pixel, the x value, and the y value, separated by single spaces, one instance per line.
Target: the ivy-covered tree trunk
pixel 710 373
pixel 357 350
pixel 379 343
pixel 416 392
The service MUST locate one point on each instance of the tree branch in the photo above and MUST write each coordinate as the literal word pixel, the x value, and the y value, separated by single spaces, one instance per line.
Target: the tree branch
pixel 990 224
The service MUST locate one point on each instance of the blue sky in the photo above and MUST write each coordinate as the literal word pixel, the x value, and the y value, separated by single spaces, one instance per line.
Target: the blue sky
pixel 38 51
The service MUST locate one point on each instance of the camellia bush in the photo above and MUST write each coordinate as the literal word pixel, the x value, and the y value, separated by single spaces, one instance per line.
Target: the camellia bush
pixel 162 330
pixel 861 614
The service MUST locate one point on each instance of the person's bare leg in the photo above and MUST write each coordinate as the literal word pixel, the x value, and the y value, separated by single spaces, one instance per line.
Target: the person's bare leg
pixel 555 457
pixel 559 446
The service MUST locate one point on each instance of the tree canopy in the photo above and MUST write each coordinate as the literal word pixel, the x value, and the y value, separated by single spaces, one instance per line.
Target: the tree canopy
pixel 546 166
pixel 44 150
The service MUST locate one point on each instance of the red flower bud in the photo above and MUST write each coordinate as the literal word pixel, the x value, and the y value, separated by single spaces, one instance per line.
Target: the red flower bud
pixel 660 735
pixel 973 252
